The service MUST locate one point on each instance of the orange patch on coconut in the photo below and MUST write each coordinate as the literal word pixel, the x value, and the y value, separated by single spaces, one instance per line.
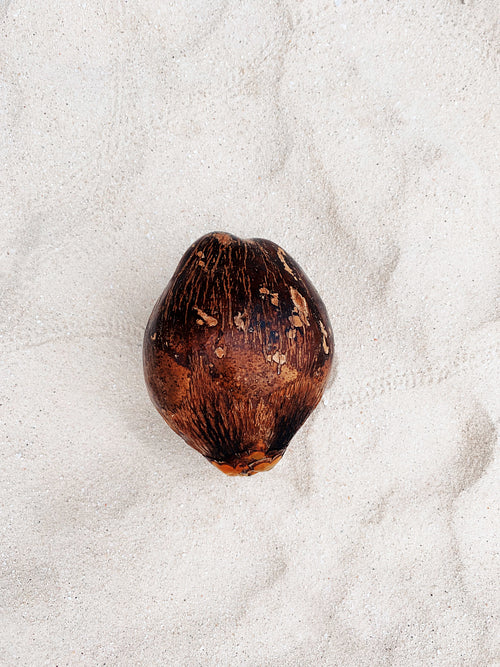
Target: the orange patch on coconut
pixel 257 455
pixel 249 464
pixel 226 468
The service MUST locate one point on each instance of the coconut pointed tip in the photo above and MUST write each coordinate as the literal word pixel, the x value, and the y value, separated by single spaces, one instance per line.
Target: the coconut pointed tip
pixel 249 465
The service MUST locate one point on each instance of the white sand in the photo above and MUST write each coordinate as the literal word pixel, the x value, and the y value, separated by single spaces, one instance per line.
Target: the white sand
pixel 363 138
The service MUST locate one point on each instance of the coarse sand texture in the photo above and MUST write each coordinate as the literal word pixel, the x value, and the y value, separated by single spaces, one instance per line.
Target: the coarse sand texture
pixel 360 136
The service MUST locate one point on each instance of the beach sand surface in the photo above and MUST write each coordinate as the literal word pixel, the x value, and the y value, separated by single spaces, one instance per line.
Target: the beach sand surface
pixel 362 137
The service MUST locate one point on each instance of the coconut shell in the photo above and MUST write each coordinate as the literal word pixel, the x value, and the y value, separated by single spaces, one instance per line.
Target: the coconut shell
pixel 237 351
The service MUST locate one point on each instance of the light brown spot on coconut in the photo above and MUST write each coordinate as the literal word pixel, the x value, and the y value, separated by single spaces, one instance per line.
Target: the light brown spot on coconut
pixel 291 333
pixel 279 358
pixel 288 374
pixel 201 262
pixel 274 295
pixel 200 254
pixel 281 255
pixel 153 337
pixel 295 321
pixel 300 305
pixel 224 239
pixel 326 349
pixel 240 321
pixel 207 319
pixel 220 352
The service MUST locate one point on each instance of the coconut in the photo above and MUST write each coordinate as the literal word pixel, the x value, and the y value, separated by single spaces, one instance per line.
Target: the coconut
pixel 237 351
